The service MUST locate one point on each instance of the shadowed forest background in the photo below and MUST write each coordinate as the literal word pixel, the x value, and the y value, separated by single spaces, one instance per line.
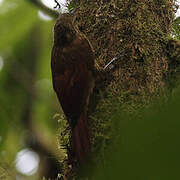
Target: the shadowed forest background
pixel 29 111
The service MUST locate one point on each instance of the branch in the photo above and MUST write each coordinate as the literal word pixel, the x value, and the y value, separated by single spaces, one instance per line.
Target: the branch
pixel 57 4
pixel 44 8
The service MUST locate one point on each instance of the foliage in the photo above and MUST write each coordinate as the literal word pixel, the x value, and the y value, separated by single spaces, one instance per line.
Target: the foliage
pixel 27 101
pixel 176 28
pixel 146 145
pixel 173 52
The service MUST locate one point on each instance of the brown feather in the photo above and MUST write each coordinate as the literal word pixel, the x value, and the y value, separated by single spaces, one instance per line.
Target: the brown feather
pixel 72 65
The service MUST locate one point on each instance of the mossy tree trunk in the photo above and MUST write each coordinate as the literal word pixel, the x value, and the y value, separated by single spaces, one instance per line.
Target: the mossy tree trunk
pixel 139 34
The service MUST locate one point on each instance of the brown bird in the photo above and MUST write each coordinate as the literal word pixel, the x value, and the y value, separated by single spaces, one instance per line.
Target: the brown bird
pixel 72 65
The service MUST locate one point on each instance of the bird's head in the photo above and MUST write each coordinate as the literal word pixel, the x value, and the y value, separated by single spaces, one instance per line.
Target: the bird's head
pixel 64 32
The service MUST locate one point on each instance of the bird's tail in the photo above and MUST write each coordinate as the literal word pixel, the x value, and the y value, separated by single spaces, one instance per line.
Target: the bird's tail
pixel 80 140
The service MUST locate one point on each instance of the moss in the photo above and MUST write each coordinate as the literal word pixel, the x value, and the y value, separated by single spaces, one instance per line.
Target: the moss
pixel 173 54
pixel 138 31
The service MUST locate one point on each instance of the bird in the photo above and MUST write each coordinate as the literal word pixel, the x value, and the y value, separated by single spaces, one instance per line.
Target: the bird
pixel 72 66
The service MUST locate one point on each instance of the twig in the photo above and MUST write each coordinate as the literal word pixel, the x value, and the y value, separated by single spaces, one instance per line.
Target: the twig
pixel 44 8
pixel 57 5
pixel 115 58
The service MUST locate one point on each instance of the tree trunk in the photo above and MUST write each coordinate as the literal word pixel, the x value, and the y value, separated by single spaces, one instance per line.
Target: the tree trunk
pixel 138 34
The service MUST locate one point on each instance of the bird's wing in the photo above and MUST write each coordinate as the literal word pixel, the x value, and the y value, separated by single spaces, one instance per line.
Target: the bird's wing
pixel 71 83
